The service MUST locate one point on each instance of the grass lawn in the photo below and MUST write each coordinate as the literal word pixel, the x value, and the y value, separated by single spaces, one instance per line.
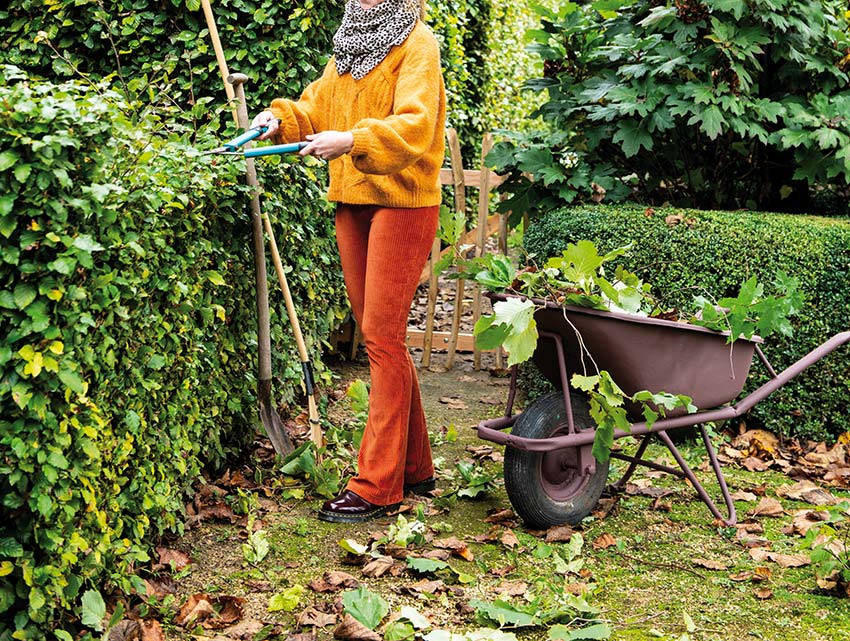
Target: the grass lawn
pixel 651 564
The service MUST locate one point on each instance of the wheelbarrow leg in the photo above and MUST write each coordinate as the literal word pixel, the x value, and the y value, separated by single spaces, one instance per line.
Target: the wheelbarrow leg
pixel 634 461
pixel 724 489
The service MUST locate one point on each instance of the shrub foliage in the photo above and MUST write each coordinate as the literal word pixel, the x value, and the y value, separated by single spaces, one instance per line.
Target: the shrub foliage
pixel 127 360
pixel 698 103
pixel 282 45
pixel 712 253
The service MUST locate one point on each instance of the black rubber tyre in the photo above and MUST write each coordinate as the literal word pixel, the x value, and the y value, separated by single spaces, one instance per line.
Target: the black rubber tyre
pixel 548 488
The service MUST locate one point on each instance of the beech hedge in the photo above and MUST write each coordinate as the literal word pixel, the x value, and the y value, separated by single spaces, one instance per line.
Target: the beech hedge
pixel 684 252
pixel 128 350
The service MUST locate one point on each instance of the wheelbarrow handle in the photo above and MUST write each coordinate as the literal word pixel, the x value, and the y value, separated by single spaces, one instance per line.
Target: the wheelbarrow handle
pixel 270 150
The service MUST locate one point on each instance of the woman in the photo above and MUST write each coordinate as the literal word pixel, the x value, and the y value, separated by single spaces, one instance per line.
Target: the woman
pixel 378 115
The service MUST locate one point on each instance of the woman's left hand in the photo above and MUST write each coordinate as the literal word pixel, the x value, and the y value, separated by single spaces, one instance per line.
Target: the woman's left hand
pixel 328 145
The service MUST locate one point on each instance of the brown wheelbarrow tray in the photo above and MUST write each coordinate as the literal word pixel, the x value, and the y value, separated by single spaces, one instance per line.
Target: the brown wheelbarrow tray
pixel 551 477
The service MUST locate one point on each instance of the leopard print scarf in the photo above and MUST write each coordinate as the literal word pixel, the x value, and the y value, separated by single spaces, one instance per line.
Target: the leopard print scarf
pixel 366 36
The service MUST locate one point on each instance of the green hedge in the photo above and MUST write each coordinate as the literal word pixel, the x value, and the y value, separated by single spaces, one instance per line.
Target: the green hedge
pixel 281 45
pixel 715 252
pixel 127 360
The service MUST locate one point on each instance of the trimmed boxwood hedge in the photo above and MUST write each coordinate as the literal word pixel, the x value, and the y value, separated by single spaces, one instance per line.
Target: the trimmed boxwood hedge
pixel 714 252
pixel 128 350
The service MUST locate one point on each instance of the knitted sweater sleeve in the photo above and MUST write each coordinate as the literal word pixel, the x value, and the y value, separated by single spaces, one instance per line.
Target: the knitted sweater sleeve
pixel 388 145
pixel 304 116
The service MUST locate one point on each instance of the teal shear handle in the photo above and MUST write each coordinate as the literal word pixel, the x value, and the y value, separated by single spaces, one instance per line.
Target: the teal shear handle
pixel 248 136
pixel 271 150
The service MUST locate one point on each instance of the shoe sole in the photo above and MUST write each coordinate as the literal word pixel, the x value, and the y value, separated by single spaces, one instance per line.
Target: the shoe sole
pixel 423 487
pixel 337 517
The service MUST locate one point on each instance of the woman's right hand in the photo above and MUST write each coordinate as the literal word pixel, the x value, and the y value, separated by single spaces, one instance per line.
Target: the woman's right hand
pixel 266 119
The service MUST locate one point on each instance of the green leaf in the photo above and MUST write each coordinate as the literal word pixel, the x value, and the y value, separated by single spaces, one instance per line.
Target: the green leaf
pixel 93 610
pixel 416 619
pixel 287 600
pixel 214 277
pixel 156 361
pixel 632 137
pixel 7 160
pixel 11 548
pixel 425 566
pixel 72 381
pixel 710 121
pixel 503 613
pixel 398 631
pixel 24 295
pixel 591 632
pixel 87 243
pixel 365 606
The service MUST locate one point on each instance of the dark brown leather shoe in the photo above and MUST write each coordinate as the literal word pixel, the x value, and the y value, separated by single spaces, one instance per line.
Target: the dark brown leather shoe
pixel 348 507
pixel 422 487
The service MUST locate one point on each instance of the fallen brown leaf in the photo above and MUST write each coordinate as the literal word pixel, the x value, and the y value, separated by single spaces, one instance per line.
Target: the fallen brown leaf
pixel 509 539
pixel 803 521
pixel 196 609
pixel 126 630
pixel 502 570
pixel 825 457
pixel 768 507
pixel 173 560
pixel 426 586
pixel 648 490
pixel 762 574
pixel 741 495
pixel 437 555
pixel 782 560
pixel 741 576
pixel 754 464
pixel 605 506
pixel 159 587
pixel 245 631
pixel 748 541
pixel 604 541
pixel 511 588
pixel 378 567
pixel 661 505
pixel 751 527
pixel 350 628
pixel 315 618
pixel 453 402
pixel 791 560
pixel 708 564
pixel 807 492
pixel 500 516
pixel 152 631
pixel 559 534
pixel 217 512
pixel 333 581
pixel 485 453
pixel 457 547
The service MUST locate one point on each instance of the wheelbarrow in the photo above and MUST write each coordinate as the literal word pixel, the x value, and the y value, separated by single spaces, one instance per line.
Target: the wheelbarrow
pixel 551 476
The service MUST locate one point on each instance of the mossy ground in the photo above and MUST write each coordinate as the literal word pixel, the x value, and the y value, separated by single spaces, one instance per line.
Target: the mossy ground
pixel 644 581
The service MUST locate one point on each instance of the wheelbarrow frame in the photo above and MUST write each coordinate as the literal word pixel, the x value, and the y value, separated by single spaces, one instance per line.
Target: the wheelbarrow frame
pixel 564 357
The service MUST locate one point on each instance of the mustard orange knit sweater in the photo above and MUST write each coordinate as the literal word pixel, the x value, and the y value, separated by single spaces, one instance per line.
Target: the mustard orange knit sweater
pixel 396 114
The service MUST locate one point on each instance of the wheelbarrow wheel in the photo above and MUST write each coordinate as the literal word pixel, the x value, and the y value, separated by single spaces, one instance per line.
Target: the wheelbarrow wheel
pixel 550 488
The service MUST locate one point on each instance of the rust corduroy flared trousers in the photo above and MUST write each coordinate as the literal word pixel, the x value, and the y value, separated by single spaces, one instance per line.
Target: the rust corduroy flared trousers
pixel 383 251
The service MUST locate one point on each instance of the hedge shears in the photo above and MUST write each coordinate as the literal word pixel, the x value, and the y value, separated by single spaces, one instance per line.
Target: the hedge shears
pixel 232 148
